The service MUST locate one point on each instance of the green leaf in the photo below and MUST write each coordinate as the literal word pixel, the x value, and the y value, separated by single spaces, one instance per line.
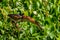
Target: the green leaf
pixel 0 23
pixel 32 30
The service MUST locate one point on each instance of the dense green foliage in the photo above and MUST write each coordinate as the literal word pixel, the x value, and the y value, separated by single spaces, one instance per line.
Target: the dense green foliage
pixel 46 12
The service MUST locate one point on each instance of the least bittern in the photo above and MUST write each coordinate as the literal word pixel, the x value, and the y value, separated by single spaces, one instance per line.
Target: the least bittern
pixel 16 17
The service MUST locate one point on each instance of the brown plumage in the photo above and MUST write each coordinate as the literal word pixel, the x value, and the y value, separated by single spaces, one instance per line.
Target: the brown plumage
pixel 33 21
pixel 17 17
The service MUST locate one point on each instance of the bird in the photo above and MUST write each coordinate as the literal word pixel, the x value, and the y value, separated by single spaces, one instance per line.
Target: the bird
pixel 17 17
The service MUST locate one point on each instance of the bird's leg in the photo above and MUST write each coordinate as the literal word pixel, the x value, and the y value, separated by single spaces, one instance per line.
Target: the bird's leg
pixel 15 24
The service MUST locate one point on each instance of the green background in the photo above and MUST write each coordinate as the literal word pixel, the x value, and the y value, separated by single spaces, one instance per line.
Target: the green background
pixel 46 12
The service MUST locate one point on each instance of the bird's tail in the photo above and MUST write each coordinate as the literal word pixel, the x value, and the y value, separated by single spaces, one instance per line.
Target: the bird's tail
pixel 33 21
